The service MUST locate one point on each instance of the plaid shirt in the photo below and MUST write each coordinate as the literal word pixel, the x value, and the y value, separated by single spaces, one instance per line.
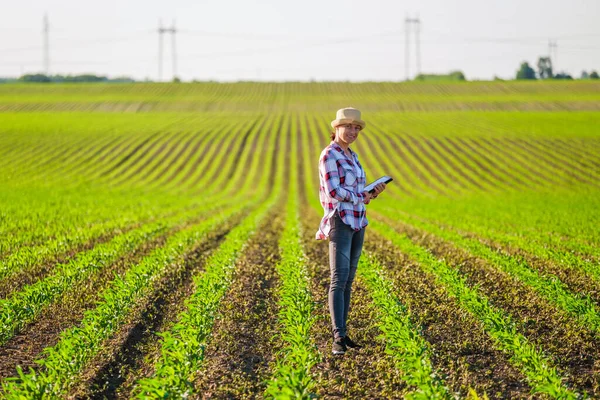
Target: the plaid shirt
pixel 342 181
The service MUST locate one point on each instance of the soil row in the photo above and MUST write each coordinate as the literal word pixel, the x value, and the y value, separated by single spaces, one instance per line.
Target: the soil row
pixel 26 347
pixel 364 373
pixel 574 348
pixel 126 356
pixel 239 353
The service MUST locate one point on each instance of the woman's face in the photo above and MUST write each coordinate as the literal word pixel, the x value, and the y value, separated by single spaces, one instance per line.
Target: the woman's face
pixel 347 133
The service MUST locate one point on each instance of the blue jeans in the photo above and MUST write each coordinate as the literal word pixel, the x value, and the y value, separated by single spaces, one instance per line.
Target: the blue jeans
pixel 345 246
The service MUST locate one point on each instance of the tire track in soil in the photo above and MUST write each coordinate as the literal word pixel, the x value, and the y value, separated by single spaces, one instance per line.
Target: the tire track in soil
pixel 123 360
pixel 365 373
pixel 238 356
pixel 461 351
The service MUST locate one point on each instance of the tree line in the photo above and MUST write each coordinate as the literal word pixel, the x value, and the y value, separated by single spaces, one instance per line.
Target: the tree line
pixel 545 71
pixel 71 78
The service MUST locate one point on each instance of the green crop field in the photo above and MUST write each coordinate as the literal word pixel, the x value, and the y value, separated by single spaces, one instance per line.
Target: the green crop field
pixel 157 241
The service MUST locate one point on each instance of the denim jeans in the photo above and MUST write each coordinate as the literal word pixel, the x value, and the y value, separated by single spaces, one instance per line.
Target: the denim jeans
pixel 345 246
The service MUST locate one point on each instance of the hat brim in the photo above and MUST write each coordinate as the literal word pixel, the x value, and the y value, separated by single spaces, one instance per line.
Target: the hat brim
pixel 337 122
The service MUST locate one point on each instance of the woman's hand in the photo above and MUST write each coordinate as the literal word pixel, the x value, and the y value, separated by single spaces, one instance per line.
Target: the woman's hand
pixel 377 190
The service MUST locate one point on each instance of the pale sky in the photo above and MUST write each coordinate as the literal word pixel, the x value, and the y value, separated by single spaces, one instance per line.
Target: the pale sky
pixel 278 40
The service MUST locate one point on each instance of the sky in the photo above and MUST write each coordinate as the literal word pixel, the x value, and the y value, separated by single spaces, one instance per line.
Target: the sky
pixel 279 40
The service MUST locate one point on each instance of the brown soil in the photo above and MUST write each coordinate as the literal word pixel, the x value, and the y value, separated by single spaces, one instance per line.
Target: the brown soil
pixel 240 350
pixel 133 152
pixel 445 144
pixel 507 154
pixel 461 351
pixel 575 279
pixel 122 361
pixel 364 373
pixel 26 276
pixel 546 159
pixel 25 347
pixel 456 169
pixel 474 148
pixel 465 151
pixel 574 348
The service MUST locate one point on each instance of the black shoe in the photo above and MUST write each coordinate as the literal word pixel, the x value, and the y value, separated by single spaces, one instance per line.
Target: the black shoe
pixel 339 346
pixel 350 344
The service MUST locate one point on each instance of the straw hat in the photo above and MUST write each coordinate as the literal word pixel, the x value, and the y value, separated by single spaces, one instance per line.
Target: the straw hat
pixel 348 115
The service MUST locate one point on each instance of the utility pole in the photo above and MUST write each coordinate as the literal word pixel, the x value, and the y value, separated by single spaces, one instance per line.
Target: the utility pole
pixel 553 48
pixel 417 22
pixel 46 54
pixel 406 46
pixel 408 24
pixel 161 32
pixel 174 54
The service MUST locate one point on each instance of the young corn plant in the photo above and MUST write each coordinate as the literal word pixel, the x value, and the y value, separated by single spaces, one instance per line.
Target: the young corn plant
pixel 24 306
pixel 182 351
pixel 551 288
pixel 292 378
pixel 542 377
pixel 78 345
pixel 403 342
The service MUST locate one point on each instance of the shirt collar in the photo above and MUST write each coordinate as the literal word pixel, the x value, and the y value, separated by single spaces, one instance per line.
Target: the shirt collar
pixel 339 148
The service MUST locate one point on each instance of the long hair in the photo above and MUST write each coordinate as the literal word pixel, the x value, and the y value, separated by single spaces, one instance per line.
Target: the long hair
pixel 332 135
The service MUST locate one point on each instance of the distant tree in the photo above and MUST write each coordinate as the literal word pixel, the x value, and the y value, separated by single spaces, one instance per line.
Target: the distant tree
pixel 563 75
pixel 594 75
pixel 525 72
pixel 545 68
pixel 497 78
pixel 176 79
pixel 122 79
pixel 584 75
pixel 452 76
pixel 35 78
pixel 458 75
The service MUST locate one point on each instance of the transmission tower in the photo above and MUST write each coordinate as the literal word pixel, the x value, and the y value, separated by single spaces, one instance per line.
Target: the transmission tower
pixel 553 54
pixel 161 31
pixel 46 54
pixel 412 24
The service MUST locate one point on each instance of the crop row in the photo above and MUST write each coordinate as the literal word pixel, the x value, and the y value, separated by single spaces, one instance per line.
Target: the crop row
pixel 77 345
pixel 536 366
pixel 549 287
pixel 182 350
pixel 268 97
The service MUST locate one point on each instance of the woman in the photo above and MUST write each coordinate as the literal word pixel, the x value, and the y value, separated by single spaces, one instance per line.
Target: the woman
pixel 342 180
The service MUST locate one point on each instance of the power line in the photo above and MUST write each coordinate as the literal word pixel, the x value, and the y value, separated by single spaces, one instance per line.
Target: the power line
pixel 414 23
pixel 161 31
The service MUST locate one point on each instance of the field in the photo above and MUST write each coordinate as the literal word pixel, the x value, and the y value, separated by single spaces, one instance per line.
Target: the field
pixel 157 241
